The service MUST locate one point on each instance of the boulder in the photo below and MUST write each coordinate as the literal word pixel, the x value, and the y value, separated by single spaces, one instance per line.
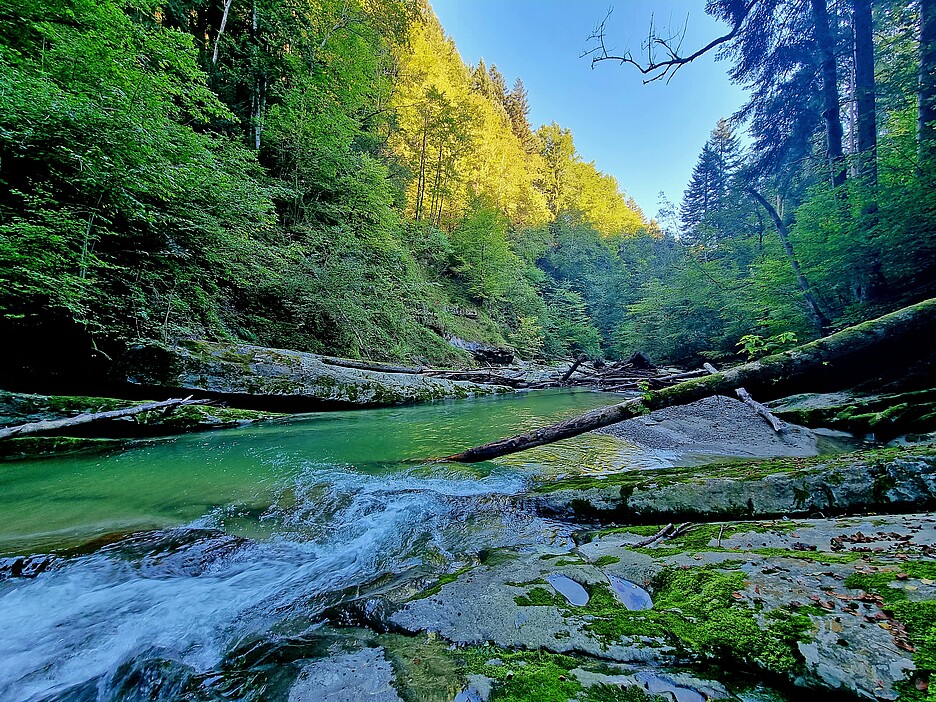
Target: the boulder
pixel 893 480
pixel 494 355
pixel 278 379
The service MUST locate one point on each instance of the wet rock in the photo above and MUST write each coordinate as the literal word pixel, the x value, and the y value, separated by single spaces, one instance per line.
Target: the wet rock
pixel 483 353
pixel 853 643
pixel 512 605
pixel 362 676
pixel 478 690
pixel 22 408
pixel 888 479
pixel 885 415
pixel 681 687
pixel 274 379
pixel 24 566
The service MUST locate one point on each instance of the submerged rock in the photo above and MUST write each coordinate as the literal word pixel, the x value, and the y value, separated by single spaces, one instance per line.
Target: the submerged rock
pixel 280 379
pixel 362 676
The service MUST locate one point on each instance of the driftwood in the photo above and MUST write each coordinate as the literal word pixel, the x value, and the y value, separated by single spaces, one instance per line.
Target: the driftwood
pixel 760 409
pixel 574 367
pixel 44 427
pixel 846 352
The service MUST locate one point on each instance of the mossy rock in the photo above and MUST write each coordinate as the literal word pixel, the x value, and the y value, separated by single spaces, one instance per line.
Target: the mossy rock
pixel 900 479
pixel 280 379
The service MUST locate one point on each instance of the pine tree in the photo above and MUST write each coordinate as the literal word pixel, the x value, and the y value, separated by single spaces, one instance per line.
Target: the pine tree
pixel 517 110
pixel 711 189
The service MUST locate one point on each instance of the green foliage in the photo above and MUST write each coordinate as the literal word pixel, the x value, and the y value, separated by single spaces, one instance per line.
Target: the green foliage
pixel 754 345
pixel 482 253
pixel 538 676
pixel 528 337
pixel 332 177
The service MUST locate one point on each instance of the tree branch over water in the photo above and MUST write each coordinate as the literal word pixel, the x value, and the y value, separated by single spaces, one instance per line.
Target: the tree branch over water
pixel 671 47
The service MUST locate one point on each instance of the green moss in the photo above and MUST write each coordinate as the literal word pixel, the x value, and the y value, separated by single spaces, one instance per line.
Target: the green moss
pixel 694 609
pixel 526 676
pixel 538 676
pixel 918 617
pixel 443 580
pixel 607 560
pixel 814 556
pixel 628 482
pixel 199 417
pixel 613 693
pixel 539 596
pixel 24 447
pixel 425 670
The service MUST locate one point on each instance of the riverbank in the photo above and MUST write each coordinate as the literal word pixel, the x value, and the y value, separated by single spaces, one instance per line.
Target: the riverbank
pixel 691 553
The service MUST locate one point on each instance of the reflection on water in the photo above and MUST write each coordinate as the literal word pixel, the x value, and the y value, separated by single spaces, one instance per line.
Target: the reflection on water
pixel 57 502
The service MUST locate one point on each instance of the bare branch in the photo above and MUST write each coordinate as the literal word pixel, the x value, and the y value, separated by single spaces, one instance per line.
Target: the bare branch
pixel 671 47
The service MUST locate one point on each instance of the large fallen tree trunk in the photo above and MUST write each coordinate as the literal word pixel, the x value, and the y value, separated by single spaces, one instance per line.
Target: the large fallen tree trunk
pixel 851 353
pixel 47 426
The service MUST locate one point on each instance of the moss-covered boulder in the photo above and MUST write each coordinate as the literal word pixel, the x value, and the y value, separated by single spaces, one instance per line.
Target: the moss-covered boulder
pixel 885 415
pixel 268 378
pixel 894 480
pixel 22 408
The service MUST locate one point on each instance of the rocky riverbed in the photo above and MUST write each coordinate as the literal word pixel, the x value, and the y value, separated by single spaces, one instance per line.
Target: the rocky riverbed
pixel 735 563
pixel 689 611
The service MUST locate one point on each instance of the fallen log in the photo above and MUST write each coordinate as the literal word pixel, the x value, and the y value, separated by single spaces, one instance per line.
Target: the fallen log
pixel 46 426
pixel 681 376
pixel 893 336
pixel 568 374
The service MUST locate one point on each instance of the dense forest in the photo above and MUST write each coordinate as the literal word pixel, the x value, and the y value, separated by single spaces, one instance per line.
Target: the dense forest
pixel 331 176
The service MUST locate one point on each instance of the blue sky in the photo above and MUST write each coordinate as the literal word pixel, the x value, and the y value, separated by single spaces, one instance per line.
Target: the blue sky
pixel 647 136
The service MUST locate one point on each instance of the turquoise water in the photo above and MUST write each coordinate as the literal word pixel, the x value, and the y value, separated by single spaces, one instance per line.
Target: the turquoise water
pixel 180 553
pixel 55 503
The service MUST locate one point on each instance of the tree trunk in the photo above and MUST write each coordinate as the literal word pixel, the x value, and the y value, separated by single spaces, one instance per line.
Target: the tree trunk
pixel 45 427
pixel 224 19
pixel 825 45
pixel 421 180
pixel 926 126
pixel 865 91
pixel 848 353
pixel 819 318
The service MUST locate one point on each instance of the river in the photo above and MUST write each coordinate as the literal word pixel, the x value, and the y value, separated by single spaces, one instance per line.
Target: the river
pixel 185 563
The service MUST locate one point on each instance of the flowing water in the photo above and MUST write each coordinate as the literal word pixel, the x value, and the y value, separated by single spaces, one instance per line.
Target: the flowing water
pixel 208 555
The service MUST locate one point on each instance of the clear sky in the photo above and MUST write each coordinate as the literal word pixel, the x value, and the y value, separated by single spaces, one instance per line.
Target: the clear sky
pixel 647 136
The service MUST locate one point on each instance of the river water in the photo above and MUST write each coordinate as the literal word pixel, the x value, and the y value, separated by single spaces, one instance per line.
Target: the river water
pixel 182 567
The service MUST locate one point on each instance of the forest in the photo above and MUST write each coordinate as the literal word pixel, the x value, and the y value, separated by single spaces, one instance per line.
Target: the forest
pixel 328 374
pixel 330 176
